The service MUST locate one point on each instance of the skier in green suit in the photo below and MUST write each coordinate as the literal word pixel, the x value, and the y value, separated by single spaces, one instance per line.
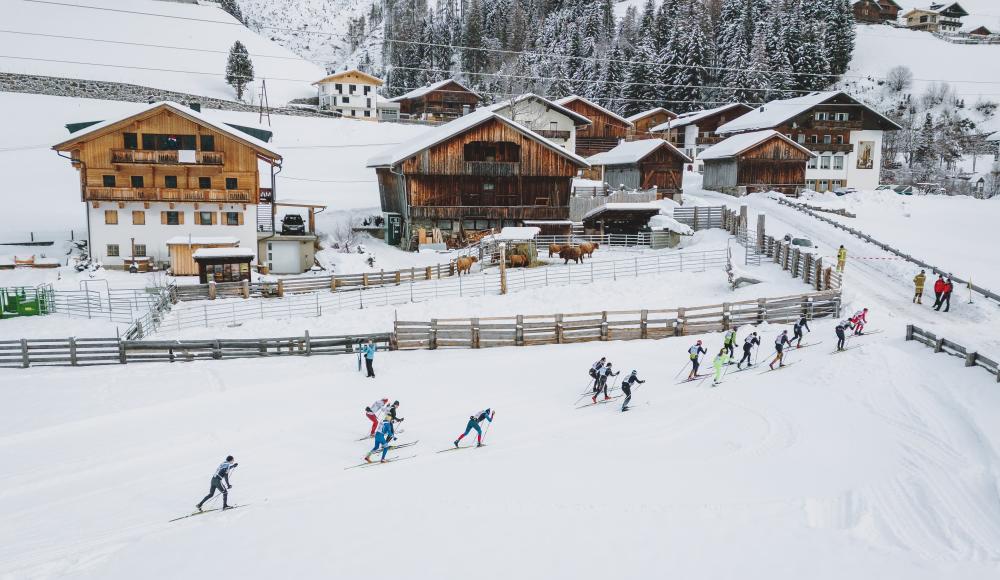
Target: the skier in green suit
pixel 720 360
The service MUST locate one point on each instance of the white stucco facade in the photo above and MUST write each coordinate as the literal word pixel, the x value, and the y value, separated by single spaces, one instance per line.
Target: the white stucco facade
pixel 823 173
pixel 153 234
pixel 537 116
pixel 350 99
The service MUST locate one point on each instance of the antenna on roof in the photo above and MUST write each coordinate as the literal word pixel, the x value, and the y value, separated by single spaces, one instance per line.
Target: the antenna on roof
pixel 265 110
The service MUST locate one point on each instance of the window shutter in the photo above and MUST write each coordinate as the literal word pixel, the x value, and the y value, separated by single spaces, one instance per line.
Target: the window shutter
pixel 240 214
pixel 163 217
pixel 215 218
pixel 180 218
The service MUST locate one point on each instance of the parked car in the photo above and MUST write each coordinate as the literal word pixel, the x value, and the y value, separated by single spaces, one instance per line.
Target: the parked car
pixel 802 242
pixel 904 189
pixel 292 225
pixel 844 191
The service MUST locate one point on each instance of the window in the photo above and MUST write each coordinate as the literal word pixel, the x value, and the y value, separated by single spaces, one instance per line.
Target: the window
pixel 827 139
pixel 171 218
pixel 354 112
pixel 156 142
pixel 843 116
pixel 138 218
pixel 205 182
pixel 823 185
pixel 112 250
pixel 232 183
pixel 131 141
pixel 108 180
pixel 504 151
pixel 234 218
pixel 111 217
pixel 489 186
pixel 136 180
pixel 208 142
pixel 368 113
pixel 811 164
pixel 340 111
pixel 814 139
pixel 367 90
pixel 444 225
pixel 169 181
pixel 204 218
pixel 836 183
pixel 801 137
pixel 824 162
pixel 822 116
pixel 339 88
pixel 840 139
pixel 335 101
pixel 139 251
pixel 346 100
pixel 351 88
pixel 789 135
pixel 838 161
pixel 811 184
pixel 368 103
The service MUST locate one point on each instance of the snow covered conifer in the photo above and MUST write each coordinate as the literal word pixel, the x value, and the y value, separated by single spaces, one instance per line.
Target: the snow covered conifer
pixel 233 9
pixel 239 69
pixel 693 49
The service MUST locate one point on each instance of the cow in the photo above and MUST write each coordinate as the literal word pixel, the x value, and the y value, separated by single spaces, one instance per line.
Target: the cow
pixel 571 253
pixel 554 249
pixel 465 264
pixel 518 261
pixel 587 248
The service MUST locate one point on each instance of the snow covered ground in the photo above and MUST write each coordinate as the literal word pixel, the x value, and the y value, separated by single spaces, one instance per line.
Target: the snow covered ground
pixel 168 45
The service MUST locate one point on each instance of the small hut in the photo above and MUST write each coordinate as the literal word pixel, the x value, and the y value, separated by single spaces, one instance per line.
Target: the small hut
pixel 521 241
pixel 619 218
pixel 643 164
pixel 666 232
pixel 223 264
pixel 758 161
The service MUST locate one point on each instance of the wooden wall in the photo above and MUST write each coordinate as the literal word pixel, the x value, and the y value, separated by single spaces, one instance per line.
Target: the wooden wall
pixel 447 101
pixel 643 125
pixel 602 124
pixel 774 162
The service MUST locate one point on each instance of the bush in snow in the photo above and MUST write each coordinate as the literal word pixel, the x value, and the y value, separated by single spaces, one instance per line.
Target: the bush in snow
pixel 239 69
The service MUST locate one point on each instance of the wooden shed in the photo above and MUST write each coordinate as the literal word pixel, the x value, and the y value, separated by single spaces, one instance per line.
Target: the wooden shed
pixel 182 249
pixel 445 99
pixel 223 264
pixel 757 161
pixel 643 123
pixel 642 164
pixel 606 128
pixel 619 218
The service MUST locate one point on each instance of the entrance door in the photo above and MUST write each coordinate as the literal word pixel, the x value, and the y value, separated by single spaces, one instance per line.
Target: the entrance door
pixel 394 229
pixel 283 258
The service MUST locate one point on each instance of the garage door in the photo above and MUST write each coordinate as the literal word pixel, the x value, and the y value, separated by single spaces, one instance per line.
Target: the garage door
pixel 283 258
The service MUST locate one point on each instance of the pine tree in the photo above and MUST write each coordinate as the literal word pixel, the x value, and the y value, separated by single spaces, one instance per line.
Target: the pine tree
pixel 610 95
pixel 738 25
pixel 639 95
pixel 693 48
pixel 840 35
pixel 778 37
pixel 812 67
pixel 239 69
pixel 473 60
pixel 233 9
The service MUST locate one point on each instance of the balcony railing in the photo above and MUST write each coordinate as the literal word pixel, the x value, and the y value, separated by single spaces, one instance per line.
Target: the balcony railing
pixel 553 134
pixel 490 211
pixel 833 124
pixel 168 194
pixel 829 147
pixel 493 168
pixel 144 156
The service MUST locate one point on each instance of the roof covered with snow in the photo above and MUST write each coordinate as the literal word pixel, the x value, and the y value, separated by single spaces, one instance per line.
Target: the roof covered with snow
pixel 775 113
pixel 648 112
pixel 177 108
pixel 624 206
pixel 571 98
pixel 665 222
pixel 737 144
pixel 577 117
pixel 517 233
pixel 417 93
pixel 694 117
pixel 442 133
pixel 349 73
pixel 940 8
pixel 203 241
pixel 224 253
pixel 633 152
pixel 994 137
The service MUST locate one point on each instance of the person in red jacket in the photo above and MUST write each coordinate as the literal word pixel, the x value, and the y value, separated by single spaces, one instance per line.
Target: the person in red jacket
pixel 946 297
pixel 939 286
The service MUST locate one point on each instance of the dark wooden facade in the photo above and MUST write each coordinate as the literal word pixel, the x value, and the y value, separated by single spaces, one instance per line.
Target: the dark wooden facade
pixel 663 169
pixel 642 124
pixel 619 221
pixel 826 128
pixel 774 164
pixel 603 133
pixel 490 176
pixel 706 126
pixel 447 101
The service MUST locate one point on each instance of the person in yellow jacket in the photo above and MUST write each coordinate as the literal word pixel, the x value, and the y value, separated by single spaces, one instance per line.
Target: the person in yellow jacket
pixel 918 287
pixel 841 258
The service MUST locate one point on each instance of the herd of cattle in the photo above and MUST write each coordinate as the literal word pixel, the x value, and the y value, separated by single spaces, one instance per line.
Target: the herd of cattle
pixel 567 252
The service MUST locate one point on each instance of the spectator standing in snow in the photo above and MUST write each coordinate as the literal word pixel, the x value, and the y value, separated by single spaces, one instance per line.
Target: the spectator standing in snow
pixel 918 287
pixel 841 258
pixel 946 296
pixel 938 291
pixel 369 351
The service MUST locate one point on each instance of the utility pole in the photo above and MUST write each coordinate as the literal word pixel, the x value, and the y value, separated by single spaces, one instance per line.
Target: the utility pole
pixel 265 110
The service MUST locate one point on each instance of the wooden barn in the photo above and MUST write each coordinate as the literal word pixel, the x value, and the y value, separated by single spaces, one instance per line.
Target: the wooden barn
pixel 606 127
pixel 757 161
pixel 875 11
pixel 643 123
pixel 694 131
pixel 643 164
pixel 625 219
pixel 478 173
pixel 445 99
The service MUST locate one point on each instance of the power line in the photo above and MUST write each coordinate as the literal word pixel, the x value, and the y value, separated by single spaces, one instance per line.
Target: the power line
pixel 122 42
pixel 67 4
pixel 329 180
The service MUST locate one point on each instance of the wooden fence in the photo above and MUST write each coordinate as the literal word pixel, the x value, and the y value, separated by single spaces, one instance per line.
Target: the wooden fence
pixel 701 217
pixel 941 344
pixel 934 269
pixel 530 330
pixel 97 351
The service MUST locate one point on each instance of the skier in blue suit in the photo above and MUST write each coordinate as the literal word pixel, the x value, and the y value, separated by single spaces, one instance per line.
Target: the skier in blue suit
pixel 382 439
pixel 474 421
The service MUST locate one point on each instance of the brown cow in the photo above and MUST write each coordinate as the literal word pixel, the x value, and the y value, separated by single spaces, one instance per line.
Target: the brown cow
pixel 518 261
pixel 554 249
pixel 465 264
pixel 587 248
pixel 571 253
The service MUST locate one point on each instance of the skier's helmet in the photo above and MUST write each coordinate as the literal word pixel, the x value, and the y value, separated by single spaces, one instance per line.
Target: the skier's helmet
pixel 395 403
pixel 699 342
pixel 229 458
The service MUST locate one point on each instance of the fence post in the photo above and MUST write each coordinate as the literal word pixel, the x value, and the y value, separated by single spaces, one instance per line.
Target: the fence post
pixel 429 275
pixel 121 352
pixel 25 360
pixel 333 283
pixel 308 344
pixel 398 278
pixel 217 350
pixel 474 323
pixel 939 345
pixel 519 331
pixel 726 315
pixel 246 289
pixel 643 331
pixel 439 271
pixel 970 359
pixel 281 288
pixel 212 290
pixel 909 332
pixel 72 351
pixel 381 277
pixel 760 233
pixel 434 331
pixel 761 310
pixel 604 325
pixel 364 280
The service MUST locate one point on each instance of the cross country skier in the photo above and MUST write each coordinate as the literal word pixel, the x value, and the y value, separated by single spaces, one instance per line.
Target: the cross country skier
pixel 841 333
pixel 797 331
pixel 729 341
pixel 596 368
pixel 602 382
pixel 373 411
pixel 720 360
pixel 630 380
pixel 474 421
pixel 221 476
pixel 391 413
pixel 779 347
pixel 748 343
pixel 385 435
pixel 693 353
pixel 859 319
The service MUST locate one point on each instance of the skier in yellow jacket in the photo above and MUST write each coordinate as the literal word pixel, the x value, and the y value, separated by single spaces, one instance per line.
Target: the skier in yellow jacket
pixel 918 287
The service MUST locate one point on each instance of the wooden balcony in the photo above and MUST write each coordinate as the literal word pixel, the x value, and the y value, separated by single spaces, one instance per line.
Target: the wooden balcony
pixel 829 147
pixel 169 194
pixel 493 168
pixel 146 157
pixel 552 134
pixel 853 124
pixel 490 212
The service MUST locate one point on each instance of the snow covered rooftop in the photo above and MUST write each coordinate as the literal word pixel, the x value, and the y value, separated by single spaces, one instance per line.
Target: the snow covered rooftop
pixel 646 113
pixel 633 152
pixel 518 233
pixel 442 133
pixel 415 93
pixel 737 144
pixel 184 111
pixel 694 116
pixel 577 117
pixel 571 98
pixel 774 113
pixel 224 253
pixel 623 206
pixel 347 73
pixel 994 137
pixel 665 222
pixel 203 241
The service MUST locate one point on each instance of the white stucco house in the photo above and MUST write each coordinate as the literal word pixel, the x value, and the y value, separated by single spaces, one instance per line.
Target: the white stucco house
pixel 351 93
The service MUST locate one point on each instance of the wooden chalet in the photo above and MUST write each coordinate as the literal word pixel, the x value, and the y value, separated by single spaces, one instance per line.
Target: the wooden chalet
pixel 643 164
pixel 875 11
pixel 477 173
pixel 445 99
pixel 757 161
pixel 643 123
pixel 981 31
pixel 938 17
pixel 606 127
pixel 694 131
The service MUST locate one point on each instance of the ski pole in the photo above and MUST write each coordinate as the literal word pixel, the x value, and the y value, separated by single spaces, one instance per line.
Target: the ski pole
pixel 216 496
pixel 682 369
pixel 488 425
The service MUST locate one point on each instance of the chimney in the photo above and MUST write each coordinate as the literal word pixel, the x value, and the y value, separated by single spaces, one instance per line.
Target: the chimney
pixel 195 106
